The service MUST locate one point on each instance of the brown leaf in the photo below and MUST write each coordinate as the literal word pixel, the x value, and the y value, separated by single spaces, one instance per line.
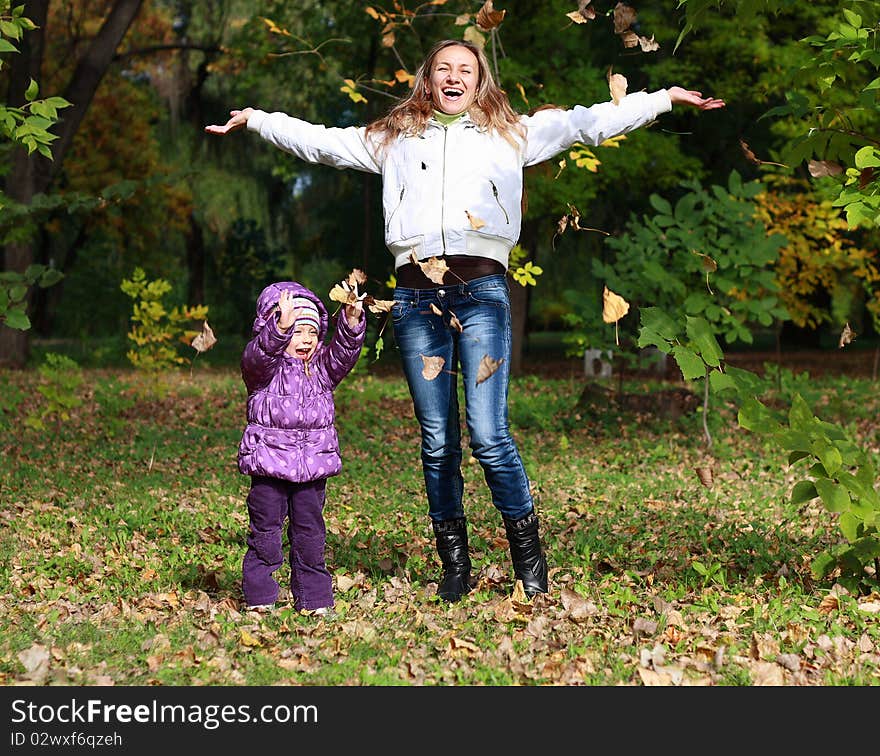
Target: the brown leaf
pixel 629 38
pixel 617 84
pixel 431 367
pixel 820 168
pixel 584 12
pixel 614 307
pixel 624 17
pixel 205 340
pixel 340 294
pixel 752 158
pixel 455 323
pixel 648 45
pixel 488 18
pixel 356 278
pixel 846 336
pixel 487 368
pixel 378 305
pixel 436 310
pixel 866 177
pixel 476 223
pixel 705 475
pixel 434 267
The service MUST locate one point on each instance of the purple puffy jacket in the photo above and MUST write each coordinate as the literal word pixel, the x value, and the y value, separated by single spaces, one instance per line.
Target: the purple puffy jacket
pixel 290 431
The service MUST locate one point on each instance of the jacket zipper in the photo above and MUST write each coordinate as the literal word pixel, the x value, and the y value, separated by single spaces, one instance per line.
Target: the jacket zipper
pixel 443 193
pixel 394 212
pixel 495 192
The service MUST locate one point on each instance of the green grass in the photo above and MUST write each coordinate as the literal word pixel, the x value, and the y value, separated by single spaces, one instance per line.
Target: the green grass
pixel 124 528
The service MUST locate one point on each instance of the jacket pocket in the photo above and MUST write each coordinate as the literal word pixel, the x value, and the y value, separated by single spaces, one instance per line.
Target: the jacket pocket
pixel 498 201
pixel 397 207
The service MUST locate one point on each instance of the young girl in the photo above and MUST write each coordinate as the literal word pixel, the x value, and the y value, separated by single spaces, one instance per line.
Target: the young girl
pixel 451 156
pixel 290 446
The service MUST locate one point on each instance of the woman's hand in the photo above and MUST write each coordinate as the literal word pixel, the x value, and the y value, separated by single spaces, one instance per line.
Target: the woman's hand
pixel 238 120
pixel 680 96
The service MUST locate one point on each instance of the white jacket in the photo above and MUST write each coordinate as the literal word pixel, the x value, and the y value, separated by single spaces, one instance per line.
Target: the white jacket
pixel 456 190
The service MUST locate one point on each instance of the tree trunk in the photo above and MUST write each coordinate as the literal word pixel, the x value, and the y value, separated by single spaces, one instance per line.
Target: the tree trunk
pixel 33 174
pixel 519 303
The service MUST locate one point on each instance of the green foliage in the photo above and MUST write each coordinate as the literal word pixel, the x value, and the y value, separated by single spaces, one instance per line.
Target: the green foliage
pixel 832 100
pixel 27 126
pixel 156 331
pixel 707 257
pixel 61 381
pixel 524 274
pixel 13 293
pixel 837 471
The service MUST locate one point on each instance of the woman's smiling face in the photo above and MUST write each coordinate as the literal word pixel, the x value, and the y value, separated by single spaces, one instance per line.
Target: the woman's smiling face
pixel 455 76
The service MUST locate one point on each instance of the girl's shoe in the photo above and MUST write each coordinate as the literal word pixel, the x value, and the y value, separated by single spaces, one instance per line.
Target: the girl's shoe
pixel 261 607
pixel 325 612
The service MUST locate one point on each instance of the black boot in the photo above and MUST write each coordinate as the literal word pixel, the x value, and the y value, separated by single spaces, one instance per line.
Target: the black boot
pixel 529 562
pixel 452 546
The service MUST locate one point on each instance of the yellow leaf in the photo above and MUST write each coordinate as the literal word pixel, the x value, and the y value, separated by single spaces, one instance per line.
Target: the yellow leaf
pixel 472 35
pixel 476 223
pixel 246 639
pixel 614 307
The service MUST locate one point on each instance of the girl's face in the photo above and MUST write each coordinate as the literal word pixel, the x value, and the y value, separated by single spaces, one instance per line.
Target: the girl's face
pixel 455 75
pixel 304 342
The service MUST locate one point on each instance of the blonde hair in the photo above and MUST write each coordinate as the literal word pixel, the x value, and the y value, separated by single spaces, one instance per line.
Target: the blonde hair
pixel 490 110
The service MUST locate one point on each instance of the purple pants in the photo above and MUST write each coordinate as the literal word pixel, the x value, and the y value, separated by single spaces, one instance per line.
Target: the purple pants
pixel 269 502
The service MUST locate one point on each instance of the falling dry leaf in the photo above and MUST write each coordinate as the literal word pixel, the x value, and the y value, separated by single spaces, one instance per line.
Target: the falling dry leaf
pixel 705 475
pixel 820 168
pixel 431 367
pixel 752 158
pixel 434 267
pixel 846 336
pixel 488 18
pixel 378 305
pixel 455 323
pixel 624 17
pixel 345 296
pixel 614 307
pixel 629 38
pixel 617 84
pixel 356 278
pixel 648 45
pixel 866 177
pixel 487 368
pixel 476 223
pixel 205 340
pixel 583 14
pixel 436 310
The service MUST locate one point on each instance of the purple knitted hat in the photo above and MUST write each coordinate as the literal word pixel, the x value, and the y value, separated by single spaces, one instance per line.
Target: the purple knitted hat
pixel 308 313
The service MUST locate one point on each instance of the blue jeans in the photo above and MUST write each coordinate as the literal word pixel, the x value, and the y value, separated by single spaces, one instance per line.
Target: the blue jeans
pixel 482 306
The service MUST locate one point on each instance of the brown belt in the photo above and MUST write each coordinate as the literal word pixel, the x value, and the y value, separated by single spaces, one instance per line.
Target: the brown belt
pixel 462 268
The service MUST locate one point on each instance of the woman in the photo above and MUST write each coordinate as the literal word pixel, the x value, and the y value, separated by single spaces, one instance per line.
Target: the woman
pixel 451 156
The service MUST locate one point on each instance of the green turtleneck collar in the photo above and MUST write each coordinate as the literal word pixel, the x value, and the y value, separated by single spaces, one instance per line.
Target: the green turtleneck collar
pixel 445 118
